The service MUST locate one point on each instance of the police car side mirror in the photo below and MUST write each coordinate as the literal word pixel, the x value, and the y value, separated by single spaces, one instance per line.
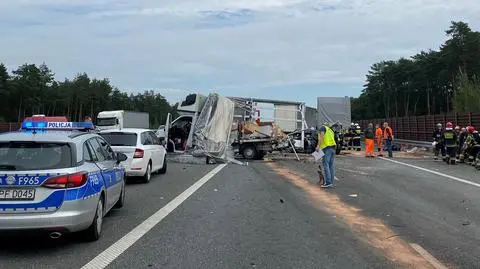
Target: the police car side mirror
pixel 121 157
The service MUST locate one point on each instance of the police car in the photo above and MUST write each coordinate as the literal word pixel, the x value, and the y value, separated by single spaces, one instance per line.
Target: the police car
pixel 58 177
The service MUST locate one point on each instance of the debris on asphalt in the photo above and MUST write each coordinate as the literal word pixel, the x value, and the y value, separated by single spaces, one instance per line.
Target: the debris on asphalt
pixel 466 223
pixel 353 195
pixel 281 201
pixel 215 189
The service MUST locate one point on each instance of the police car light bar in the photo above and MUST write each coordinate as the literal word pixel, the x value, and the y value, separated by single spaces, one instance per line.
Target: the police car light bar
pixel 41 125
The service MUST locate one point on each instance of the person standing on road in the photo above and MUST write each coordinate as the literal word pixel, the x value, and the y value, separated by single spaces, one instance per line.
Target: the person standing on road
pixel 461 143
pixel 369 141
pixel 379 139
pixel 388 137
pixel 326 143
pixel 450 141
pixel 438 141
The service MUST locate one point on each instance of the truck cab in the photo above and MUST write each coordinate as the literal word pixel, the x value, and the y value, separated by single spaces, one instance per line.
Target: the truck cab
pixel 107 120
pixel 119 119
pixel 179 133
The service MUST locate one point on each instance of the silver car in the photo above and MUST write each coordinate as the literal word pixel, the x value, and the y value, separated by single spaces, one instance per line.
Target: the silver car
pixel 59 181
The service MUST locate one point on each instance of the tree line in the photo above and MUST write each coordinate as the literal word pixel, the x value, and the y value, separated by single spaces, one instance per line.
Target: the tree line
pixel 32 89
pixel 430 82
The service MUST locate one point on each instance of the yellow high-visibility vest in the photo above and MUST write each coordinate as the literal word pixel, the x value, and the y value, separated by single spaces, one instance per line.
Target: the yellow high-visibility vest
pixel 328 138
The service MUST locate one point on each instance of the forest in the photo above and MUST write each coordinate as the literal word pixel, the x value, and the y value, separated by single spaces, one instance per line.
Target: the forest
pixel 32 89
pixel 430 82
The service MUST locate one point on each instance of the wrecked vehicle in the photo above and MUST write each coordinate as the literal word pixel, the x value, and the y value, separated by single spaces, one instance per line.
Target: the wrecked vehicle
pixel 217 127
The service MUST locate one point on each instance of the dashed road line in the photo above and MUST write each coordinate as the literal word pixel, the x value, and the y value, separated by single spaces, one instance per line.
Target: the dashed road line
pixel 434 172
pixel 428 257
pixel 119 247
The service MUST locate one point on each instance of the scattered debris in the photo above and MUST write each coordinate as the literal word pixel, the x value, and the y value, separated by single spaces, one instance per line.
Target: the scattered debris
pixel 466 223
pixel 281 201
pixel 353 195
pixel 215 189
pixel 161 198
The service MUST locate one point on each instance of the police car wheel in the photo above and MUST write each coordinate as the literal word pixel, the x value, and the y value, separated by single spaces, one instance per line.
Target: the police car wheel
pixel 121 200
pixel 148 173
pixel 94 232
pixel 163 170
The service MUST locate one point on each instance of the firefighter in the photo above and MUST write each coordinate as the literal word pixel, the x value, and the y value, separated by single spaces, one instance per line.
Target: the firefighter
pixel 472 139
pixel 357 138
pixel 438 141
pixel 450 142
pixel 475 149
pixel 461 141
pixel 351 134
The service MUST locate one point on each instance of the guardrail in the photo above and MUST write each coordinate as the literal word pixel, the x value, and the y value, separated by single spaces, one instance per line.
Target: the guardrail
pixel 414 143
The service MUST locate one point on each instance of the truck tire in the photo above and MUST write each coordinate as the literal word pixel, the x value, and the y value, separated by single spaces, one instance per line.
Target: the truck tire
pixel 249 153
pixel 261 154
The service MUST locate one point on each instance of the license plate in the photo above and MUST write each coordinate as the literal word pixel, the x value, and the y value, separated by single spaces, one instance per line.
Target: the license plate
pixel 12 194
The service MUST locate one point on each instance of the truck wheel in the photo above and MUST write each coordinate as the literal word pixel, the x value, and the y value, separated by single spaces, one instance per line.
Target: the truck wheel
pixel 260 155
pixel 249 153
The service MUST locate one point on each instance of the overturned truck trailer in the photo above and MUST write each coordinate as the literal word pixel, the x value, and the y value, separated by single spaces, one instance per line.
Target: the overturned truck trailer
pixel 213 127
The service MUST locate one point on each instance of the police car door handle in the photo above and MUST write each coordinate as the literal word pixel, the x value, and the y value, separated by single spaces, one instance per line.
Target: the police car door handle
pixel 104 169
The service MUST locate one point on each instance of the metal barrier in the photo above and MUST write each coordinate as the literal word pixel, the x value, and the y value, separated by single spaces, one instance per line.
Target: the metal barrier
pixel 425 144
pixel 420 128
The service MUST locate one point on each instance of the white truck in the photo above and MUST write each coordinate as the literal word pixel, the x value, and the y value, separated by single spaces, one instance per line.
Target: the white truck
pixel 118 119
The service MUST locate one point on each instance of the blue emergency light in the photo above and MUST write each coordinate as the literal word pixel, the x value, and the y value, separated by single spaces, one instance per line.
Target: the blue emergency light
pixel 41 125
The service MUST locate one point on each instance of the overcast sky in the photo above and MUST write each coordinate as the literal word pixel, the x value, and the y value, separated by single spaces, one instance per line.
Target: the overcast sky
pixel 286 49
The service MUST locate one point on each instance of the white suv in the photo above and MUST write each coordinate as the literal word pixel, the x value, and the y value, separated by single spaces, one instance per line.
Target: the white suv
pixel 145 152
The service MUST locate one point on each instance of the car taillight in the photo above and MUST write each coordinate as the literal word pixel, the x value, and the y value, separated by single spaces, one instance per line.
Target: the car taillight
pixel 66 181
pixel 138 153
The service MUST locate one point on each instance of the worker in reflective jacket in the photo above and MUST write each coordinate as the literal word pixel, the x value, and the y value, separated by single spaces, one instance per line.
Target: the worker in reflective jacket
pixel 326 143
pixel 450 141
pixel 379 139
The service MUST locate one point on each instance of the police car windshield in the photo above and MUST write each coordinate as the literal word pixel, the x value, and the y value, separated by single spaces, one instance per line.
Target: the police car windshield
pixel 120 139
pixel 106 121
pixel 34 156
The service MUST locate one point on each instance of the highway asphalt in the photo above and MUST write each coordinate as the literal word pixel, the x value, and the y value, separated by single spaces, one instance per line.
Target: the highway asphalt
pixel 382 214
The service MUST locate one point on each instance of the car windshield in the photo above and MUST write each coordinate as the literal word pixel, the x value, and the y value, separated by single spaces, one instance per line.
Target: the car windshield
pixel 120 139
pixel 106 121
pixel 34 156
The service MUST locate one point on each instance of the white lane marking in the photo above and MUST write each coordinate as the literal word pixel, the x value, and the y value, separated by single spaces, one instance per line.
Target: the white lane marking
pixel 115 250
pixel 427 256
pixel 434 172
